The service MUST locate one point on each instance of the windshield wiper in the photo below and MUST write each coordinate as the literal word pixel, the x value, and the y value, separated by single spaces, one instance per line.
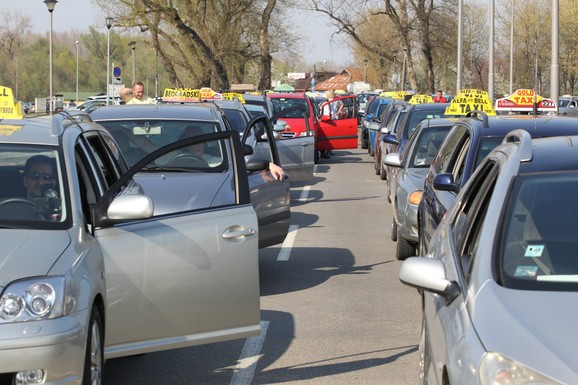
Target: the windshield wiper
pixel 157 168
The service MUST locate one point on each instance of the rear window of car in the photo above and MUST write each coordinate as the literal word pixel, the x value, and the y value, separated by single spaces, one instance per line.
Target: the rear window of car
pixel 538 251
pixel 427 146
pixel 417 117
pixel 285 107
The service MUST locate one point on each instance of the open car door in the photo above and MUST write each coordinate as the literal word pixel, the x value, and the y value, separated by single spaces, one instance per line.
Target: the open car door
pixel 188 275
pixel 338 131
pixel 270 197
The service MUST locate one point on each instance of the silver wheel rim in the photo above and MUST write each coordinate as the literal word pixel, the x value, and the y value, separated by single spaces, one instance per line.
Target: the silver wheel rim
pixel 95 355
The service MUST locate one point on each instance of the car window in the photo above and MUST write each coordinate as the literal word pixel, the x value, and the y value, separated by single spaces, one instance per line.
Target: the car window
pixel 32 192
pixel 138 138
pixel 290 107
pixel 487 144
pixel 446 152
pixel 426 147
pixel 417 117
pixel 459 163
pixel 538 251
pixel 236 118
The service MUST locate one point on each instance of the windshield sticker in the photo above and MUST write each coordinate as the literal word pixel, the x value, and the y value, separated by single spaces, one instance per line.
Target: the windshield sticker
pixel 534 251
pixel 526 271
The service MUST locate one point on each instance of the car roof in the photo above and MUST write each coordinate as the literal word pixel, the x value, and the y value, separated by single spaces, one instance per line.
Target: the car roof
pixel 557 153
pixel 536 125
pixel 42 130
pixel 190 111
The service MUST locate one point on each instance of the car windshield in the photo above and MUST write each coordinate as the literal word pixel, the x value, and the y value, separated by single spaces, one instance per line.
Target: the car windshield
pixel 427 145
pixel 31 193
pixel 289 107
pixel 138 138
pixel 417 117
pixel 538 251
pixel 564 103
pixel 487 144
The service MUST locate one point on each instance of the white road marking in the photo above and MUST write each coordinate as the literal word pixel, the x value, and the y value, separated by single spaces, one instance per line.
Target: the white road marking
pixel 245 369
pixel 304 194
pixel 287 245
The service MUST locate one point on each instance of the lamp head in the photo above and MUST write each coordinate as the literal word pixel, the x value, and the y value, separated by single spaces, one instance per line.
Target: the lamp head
pixel 50 4
pixel 108 21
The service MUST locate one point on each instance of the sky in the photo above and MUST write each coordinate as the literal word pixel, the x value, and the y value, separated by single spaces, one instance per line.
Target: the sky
pixel 79 14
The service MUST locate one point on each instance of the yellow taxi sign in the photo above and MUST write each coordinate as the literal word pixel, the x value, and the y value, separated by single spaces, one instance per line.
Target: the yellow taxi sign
pixel 182 95
pixel 9 109
pixel 523 100
pixel 420 99
pixel 399 95
pixel 387 94
pixel 233 96
pixel 468 100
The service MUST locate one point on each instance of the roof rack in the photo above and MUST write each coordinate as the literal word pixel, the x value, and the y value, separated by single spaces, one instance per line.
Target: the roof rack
pixel 524 139
pixel 478 113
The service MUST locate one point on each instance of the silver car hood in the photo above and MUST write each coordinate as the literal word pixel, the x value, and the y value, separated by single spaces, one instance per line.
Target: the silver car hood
pixel 535 328
pixel 189 191
pixel 29 253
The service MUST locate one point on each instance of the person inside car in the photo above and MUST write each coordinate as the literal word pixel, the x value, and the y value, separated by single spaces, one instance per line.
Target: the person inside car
pixel 38 176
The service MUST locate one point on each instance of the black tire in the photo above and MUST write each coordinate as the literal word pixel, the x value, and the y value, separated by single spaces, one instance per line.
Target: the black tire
pixel 382 172
pixel 316 156
pixel 424 356
pixel 404 248
pixel 94 355
pixel 393 230
pixel 363 144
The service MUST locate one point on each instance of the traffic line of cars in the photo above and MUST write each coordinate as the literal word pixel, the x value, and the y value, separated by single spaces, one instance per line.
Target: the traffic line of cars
pixel 134 229
pixel 495 224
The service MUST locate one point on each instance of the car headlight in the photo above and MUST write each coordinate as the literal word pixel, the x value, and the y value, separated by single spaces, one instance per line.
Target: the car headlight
pixel 32 299
pixel 496 369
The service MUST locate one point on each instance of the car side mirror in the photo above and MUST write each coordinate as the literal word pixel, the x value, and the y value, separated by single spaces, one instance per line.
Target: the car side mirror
pixel 125 207
pixel 257 165
pixel 280 126
pixel 445 182
pixel 325 118
pixel 391 139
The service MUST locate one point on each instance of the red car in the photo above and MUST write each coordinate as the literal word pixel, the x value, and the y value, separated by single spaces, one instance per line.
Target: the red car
pixel 304 119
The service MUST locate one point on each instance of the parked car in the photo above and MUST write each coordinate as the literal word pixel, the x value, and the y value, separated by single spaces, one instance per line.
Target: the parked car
pixel 404 125
pixel 387 123
pixel 143 129
pixel 568 105
pixel 368 115
pixel 468 143
pixel 375 124
pixel 259 104
pixel 89 270
pixel 406 187
pixel 499 280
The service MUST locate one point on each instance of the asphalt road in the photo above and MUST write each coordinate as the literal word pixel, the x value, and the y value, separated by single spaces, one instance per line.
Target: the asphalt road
pixel 333 309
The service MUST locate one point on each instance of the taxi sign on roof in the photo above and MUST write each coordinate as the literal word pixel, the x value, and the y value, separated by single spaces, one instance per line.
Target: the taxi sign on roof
pixel 523 100
pixel 399 95
pixel 9 109
pixel 468 100
pixel 420 99
pixel 182 95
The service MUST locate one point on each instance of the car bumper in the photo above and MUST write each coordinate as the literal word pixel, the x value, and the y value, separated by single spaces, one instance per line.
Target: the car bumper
pixel 56 345
pixel 408 223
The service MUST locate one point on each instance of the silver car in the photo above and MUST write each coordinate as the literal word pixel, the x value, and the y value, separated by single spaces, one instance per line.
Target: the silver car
pixel 500 280
pixel 89 269
pixel 406 186
pixel 142 129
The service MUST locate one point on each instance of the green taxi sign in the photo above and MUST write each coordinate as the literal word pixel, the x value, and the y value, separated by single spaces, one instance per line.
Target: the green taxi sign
pixel 468 100
pixel 9 109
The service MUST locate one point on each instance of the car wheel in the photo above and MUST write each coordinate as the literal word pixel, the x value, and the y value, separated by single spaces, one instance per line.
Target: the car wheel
pixel 316 156
pixel 393 230
pixel 94 356
pixel 363 144
pixel 382 172
pixel 404 248
pixel 424 356
pixel 371 152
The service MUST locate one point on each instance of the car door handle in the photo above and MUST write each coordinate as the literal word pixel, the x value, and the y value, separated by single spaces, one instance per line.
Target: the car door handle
pixel 237 232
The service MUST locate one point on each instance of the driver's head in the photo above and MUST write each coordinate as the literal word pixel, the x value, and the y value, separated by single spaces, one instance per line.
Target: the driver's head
pixel 192 131
pixel 38 175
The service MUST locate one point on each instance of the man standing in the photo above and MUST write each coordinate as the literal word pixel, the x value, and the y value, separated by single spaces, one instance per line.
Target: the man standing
pixel 137 93
pixel 440 98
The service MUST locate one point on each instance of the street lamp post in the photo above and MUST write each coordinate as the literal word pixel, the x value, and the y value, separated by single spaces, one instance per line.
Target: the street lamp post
pixel 77 72
pixel 403 70
pixel 108 21
pixel 365 70
pixel 132 45
pixel 395 75
pixel 50 4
